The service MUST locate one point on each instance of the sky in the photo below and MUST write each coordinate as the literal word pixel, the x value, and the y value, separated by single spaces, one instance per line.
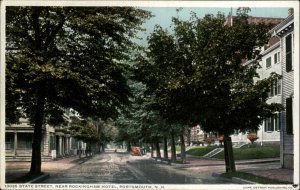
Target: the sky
pixel 163 16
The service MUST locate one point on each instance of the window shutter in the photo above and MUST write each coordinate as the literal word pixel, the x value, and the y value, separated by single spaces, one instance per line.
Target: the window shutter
pixel 268 62
pixel 279 86
pixel 289 116
pixel 288 52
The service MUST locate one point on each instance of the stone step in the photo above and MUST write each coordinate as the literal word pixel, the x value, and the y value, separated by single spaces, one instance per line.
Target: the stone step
pixel 25 158
pixel 213 152
pixel 239 145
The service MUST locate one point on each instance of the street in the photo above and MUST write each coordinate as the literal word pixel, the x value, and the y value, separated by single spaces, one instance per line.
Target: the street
pixel 111 167
pixel 122 168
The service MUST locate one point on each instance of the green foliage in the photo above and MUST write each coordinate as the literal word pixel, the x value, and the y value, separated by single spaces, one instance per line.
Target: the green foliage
pixel 140 123
pixel 108 130
pixel 67 57
pixel 259 152
pixel 72 54
pixel 84 130
pixel 197 76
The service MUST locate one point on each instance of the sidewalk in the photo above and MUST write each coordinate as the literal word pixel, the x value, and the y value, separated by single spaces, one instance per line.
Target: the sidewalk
pixel 276 173
pixel 16 170
pixel 279 173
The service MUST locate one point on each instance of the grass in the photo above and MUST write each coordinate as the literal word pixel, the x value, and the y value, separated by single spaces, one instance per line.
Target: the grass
pixel 200 150
pixel 257 152
pixel 254 178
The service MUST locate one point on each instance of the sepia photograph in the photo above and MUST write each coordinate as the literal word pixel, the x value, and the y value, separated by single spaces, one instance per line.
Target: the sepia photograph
pixel 149 95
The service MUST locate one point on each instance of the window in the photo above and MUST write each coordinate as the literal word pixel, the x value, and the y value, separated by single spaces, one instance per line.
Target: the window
pixel 277 122
pixel 277 57
pixel 268 62
pixel 279 86
pixel 288 53
pixel 9 141
pixel 269 124
pixel 272 90
pixel 25 141
pixel 275 88
pixel 289 116
pixel 273 123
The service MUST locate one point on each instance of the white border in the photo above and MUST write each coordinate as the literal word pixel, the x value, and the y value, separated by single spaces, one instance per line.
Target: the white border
pixel 151 3
pixel 296 110
pixel 294 4
pixel 2 95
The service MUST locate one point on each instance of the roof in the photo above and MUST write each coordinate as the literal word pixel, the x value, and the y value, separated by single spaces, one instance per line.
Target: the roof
pixel 253 19
pixel 284 26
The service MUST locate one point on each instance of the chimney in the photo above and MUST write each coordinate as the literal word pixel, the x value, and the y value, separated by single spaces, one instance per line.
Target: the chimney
pixel 290 11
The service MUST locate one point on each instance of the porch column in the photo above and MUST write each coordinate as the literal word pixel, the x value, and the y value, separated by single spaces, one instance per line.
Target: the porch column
pixel 68 145
pixel 15 143
pixel 60 145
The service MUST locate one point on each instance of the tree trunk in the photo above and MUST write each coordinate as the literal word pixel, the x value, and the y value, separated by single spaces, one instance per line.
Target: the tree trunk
pixel 188 137
pixel 165 148
pixel 228 154
pixel 157 150
pixel 36 161
pixel 152 147
pixel 183 156
pixel 103 147
pixel 128 146
pixel 173 148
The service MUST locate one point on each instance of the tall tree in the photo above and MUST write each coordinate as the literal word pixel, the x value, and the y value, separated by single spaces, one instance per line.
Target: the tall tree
pixel 84 129
pixel 62 57
pixel 198 76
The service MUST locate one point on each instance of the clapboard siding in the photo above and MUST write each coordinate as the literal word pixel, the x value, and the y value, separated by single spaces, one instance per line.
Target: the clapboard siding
pixel 287 146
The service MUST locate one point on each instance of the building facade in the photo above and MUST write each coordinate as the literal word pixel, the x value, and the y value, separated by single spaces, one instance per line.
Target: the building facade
pixel 56 142
pixel 285 31
pixel 269 131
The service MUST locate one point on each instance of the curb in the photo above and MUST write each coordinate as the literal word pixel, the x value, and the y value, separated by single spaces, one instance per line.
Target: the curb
pixel 233 179
pixel 257 161
pixel 242 181
pixel 40 178
pixel 163 161
pixel 220 164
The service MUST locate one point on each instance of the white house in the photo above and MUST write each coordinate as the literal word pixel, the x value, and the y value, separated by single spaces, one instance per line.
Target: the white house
pixel 269 131
pixel 285 31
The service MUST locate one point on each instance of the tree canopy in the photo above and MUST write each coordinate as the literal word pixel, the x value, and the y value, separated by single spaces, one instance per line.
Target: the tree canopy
pixel 75 54
pixel 84 129
pixel 198 76
pixel 67 57
pixel 203 73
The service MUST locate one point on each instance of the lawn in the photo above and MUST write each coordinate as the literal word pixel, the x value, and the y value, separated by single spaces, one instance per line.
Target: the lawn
pixel 200 150
pixel 256 152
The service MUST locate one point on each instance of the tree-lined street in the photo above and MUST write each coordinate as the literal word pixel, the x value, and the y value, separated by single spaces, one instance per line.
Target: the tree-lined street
pixel 85 88
pixel 123 168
